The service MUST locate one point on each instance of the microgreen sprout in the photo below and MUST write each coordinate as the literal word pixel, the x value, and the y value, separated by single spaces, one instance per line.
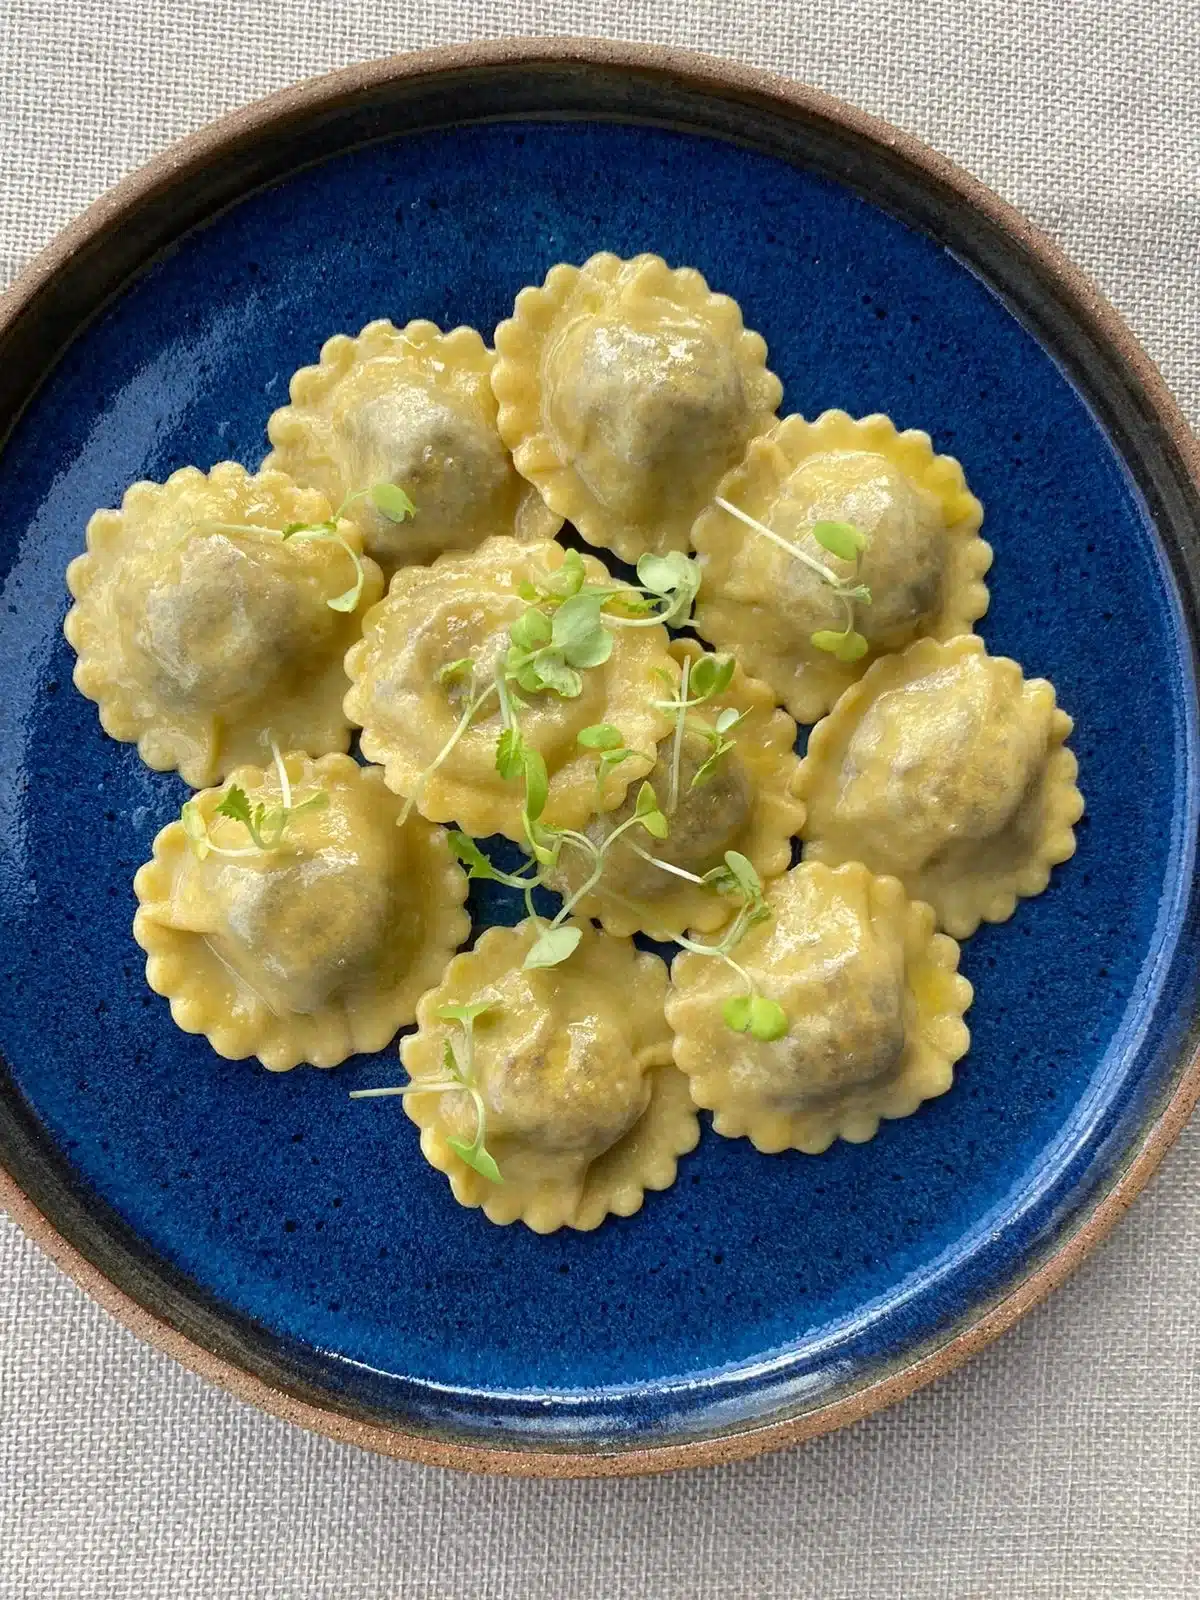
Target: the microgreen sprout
pixel 265 824
pixel 749 1012
pixel 459 1078
pixel 847 543
pixel 700 680
pixel 385 497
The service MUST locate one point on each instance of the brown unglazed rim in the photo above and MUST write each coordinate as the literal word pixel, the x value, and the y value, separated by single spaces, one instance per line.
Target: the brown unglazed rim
pixel 187 159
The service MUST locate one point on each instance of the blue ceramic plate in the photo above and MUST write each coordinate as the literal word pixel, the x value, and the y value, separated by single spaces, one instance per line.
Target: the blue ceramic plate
pixel 299 1237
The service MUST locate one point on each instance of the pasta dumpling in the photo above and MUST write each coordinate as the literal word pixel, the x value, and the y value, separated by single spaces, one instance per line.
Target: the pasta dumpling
pixel 626 389
pixel 744 801
pixel 948 768
pixel 414 407
pixel 313 949
pixel 874 1004
pixel 198 628
pixel 409 704
pixel 923 563
pixel 583 1110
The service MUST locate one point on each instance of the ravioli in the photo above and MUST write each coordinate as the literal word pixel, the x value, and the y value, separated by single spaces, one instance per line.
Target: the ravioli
pixel 874 1003
pixel 460 610
pixel 745 802
pixel 947 767
pixel 923 564
pixel 626 389
pixel 316 949
pixel 199 630
pixel 413 407
pixel 583 1110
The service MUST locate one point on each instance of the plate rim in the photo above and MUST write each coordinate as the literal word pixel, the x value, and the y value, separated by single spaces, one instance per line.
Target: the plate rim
pixel 712 75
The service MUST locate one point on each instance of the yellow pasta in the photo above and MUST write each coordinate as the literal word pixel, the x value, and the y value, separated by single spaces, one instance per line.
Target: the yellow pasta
pixel 626 389
pixel 462 608
pixel 874 1004
pixel 199 629
pixel 313 950
pixel 748 804
pixel 584 1111
pixel 947 767
pixel 414 407
pixel 923 565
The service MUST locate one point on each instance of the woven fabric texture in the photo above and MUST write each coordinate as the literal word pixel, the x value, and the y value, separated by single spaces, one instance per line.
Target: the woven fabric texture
pixel 1064 1463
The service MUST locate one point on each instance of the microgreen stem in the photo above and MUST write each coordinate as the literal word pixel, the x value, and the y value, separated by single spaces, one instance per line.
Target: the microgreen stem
pixel 285 788
pixel 825 573
pixel 677 748
pixel 597 868
pixel 666 866
pixel 464 722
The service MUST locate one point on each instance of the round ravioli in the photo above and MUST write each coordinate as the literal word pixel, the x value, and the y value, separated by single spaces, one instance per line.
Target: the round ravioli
pixel 437 643
pixel 199 629
pixel 583 1111
pixel 874 1003
pixel 946 767
pixel 923 561
pixel 315 947
pixel 731 790
pixel 412 407
pixel 626 389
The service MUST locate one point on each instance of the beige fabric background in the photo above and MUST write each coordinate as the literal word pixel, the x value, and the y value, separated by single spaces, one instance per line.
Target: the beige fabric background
pixel 1065 1462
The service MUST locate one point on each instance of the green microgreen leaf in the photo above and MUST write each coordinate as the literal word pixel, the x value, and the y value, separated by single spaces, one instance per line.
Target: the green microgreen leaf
pixel 576 620
pixel 736 1012
pixel 466 1013
pixel 550 671
pixel 531 630
pixel 235 803
pixel 537 784
pixel 647 801
pixel 767 1019
pixel 848 646
pixel 656 824
pixel 705 771
pixel 569 578
pixel 510 754
pixel 196 829
pixel 728 719
pixel 602 736
pixel 477 1158
pixel 553 946
pixel 455 671
pixel 392 501
pixel 471 856
pixel 544 843
pixel 744 875
pixel 710 675
pixel 841 539
pixel 593 651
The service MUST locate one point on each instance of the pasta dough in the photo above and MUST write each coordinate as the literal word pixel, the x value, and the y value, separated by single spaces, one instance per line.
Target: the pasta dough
pixel 462 607
pixel 198 629
pixel 316 949
pixel 411 406
pixel 748 804
pixel 584 1111
pixel 924 562
pixel 948 768
pixel 626 389
pixel 874 1004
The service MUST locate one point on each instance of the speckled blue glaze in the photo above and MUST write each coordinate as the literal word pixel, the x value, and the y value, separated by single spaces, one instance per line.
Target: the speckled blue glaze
pixel 755 1282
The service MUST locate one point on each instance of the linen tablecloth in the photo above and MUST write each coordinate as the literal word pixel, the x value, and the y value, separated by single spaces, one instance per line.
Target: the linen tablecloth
pixel 1065 1461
